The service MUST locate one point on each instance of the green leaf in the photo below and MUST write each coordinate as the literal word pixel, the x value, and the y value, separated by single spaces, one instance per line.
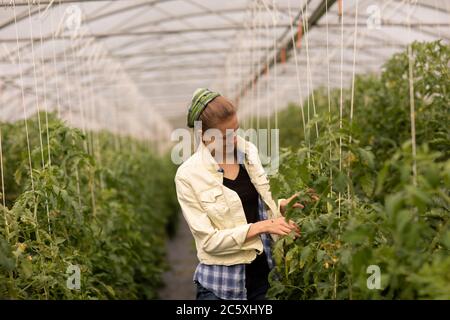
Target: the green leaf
pixel 345 256
pixel 404 217
pixel 59 240
pixel 420 198
pixel 305 254
pixel 446 240
pixel 110 290
pixel 275 289
pixel 278 251
pixel 367 184
pixel 356 236
pixel 292 259
pixel 381 178
pixel 18 176
pixel 393 203
pixel 340 182
pixel 303 174
pixel 320 255
pixel 6 258
pixel 367 157
pixel 432 175
pixel 27 268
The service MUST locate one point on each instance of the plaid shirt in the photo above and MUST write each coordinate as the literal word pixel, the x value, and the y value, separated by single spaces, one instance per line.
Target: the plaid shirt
pixel 228 282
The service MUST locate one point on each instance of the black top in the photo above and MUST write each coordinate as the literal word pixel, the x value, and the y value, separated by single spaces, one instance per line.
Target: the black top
pixel 256 273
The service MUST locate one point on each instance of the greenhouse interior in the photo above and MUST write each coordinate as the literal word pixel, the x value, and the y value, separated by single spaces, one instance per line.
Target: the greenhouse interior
pixel 102 196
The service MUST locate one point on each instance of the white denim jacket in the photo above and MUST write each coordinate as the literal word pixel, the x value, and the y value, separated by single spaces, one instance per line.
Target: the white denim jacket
pixel 214 213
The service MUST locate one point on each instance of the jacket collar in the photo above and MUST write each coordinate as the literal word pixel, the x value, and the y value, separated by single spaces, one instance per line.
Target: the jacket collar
pixel 245 153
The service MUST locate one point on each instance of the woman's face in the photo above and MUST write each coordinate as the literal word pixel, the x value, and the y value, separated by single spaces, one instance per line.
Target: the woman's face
pixel 228 140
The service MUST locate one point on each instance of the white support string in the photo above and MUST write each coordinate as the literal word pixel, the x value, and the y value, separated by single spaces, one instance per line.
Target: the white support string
pixel 355 37
pixel 35 76
pixel 259 38
pixel 88 74
pixel 3 186
pixel 56 75
pixel 68 98
pixel 270 79
pixel 36 86
pixel 275 71
pixel 44 83
pixel 299 89
pixel 341 15
pixel 94 137
pixel 240 73
pixel 308 68
pixel 253 68
pixel 411 99
pixel 24 108
pixel 267 76
pixel 116 106
pixel 77 39
pixel 308 89
pixel 329 98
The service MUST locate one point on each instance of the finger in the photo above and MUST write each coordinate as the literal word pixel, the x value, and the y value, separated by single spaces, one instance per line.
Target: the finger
pixel 292 223
pixel 285 229
pixel 298 205
pixel 293 196
pixel 311 191
pixel 295 226
pixel 281 232
pixel 285 224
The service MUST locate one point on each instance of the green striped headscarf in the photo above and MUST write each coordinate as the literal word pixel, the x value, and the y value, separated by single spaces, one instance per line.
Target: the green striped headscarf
pixel 200 100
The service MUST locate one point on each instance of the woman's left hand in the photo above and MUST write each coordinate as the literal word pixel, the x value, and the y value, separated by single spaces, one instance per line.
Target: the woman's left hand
pixel 284 203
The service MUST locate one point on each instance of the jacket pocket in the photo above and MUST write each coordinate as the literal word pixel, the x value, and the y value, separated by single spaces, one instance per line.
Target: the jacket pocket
pixel 213 201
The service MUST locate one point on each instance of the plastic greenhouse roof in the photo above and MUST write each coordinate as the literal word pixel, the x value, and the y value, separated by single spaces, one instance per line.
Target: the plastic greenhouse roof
pixel 131 66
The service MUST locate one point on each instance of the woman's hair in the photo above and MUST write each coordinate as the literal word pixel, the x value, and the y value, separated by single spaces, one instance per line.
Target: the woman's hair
pixel 217 110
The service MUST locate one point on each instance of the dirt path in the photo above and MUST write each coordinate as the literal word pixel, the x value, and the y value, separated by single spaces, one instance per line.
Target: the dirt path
pixel 182 258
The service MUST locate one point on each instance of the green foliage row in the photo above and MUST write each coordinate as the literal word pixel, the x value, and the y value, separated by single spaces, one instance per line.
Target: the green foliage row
pixel 106 211
pixel 371 210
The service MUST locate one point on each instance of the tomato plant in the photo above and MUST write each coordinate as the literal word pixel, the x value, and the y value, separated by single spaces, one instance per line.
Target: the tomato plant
pixel 106 211
pixel 371 212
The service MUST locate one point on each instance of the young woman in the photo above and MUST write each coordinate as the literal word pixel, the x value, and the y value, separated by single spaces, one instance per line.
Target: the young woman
pixel 224 195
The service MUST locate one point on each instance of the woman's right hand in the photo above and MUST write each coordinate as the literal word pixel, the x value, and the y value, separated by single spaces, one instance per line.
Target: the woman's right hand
pixel 281 227
pixel 278 226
